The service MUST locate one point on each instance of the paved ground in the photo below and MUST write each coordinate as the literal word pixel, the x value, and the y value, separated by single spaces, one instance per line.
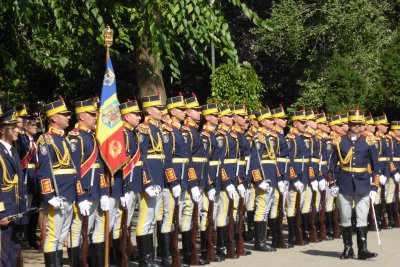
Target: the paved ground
pixel 323 254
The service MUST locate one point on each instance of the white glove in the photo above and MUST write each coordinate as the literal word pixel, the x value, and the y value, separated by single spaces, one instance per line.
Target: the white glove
pixel 241 190
pixel 314 185
pixel 211 194
pixel 104 203
pixel 231 191
pixel 176 191
pixel 55 202
pixel 84 207
pixel 264 186
pixel 125 200
pixel 382 179
pixel 334 191
pixel 372 195
pixel 196 195
pixel 281 187
pixel 397 177
pixel 321 185
pixel 151 191
pixel 299 186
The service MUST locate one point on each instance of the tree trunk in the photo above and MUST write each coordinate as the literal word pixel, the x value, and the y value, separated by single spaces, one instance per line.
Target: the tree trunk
pixel 149 75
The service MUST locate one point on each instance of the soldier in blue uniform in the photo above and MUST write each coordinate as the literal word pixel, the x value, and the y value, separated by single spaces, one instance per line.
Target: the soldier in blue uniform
pixel 58 180
pixel 357 179
pixel 27 152
pixel 384 159
pixel 132 171
pixel 265 176
pixel 214 154
pixel 298 171
pixel 394 148
pixel 12 193
pixel 92 195
pixel 197 161
pixel 152 156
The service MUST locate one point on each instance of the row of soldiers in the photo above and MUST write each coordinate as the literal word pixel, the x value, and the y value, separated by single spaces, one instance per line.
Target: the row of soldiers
pixel 175 172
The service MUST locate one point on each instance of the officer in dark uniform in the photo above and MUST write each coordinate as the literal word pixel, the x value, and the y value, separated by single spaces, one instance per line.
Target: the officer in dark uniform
pixel 214 153
pixel 394 144
pixel 27 151
pixel 59 180
pixel 12 193
pixel 357 179
pixel 197 159
pixel 92 195
pixel 152 156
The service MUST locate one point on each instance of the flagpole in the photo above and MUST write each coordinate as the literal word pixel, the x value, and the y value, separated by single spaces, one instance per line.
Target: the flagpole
pixel 108 38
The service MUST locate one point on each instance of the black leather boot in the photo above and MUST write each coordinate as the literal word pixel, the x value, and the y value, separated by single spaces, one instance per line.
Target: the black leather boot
pixel 260 243
pixel 186 249
pixel 165 252
pixel 145 247
pixel 203 246
pixel 221 242
pixel 97 253
pixel 389 211
pixel 329 225
pixel 304 228
pixel 59 260
pixel 348 251
pixel 291 230
pixel 378 216
pixel 249 234
pixel 275 234
pixel 50 259
pixel 159 224
pixel 74 256
pixel 363 252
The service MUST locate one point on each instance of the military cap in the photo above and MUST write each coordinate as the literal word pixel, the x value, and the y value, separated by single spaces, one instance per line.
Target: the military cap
pixel 356 116
pixel 335 120
pixel 175 102
pixel 209 109
pixel 239 110
pixel 321 117
pixel 130 106
pixel 224 110
pixel 252 114
pixel 395 125
pixel 192 102
pixel 85 106
pixel 20 111
pixel 56 107
pixel 151 101
pixel 310 115
pixel 299 116
pixel 369 120
pixel 344 117
pixel 381 120
pixel 8 117
pixel 278 112
pixel 264 114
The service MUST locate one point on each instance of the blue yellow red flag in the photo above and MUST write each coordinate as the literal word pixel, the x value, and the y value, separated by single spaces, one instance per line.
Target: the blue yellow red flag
pixel 109 130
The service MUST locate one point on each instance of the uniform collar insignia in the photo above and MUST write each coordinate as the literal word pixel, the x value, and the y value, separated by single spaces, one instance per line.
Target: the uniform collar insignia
pixel 56 131
pixel 83 128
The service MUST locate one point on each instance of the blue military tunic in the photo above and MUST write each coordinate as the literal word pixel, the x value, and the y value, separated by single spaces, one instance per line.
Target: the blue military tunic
pixel 63 166
pixel 85 153
pixel 299 157
pixel 231 155
pixel 384 153
pixel 395 147
pixel 244 154
pixel 197 155
pixel 358 163
pixel 283 160
pixel 151 153
pixel 312 154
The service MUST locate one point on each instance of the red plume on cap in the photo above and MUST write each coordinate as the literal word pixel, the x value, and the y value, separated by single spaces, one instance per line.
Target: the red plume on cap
pixel 60 97
pixel 158 92
pixel 180 93
pixel 280 104
pixel 128 100
pixel 134 98
pixel 193 94
pixel 225 102
pixel 266 106
pixel 213 101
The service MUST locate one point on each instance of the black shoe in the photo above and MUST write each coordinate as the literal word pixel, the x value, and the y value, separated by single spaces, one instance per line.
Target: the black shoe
pixel 291 229
pixel 74 256
pixel 159 224
pixel 363 252
pixel 146 251
pixel 304 228
pixel 50 259
pixel 97 254
pixel 348 251
pixel 260 243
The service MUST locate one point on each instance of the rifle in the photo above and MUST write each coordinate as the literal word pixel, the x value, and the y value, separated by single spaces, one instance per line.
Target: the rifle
pixel 176 256
pixel 85 243
pixel 383 208
pixel 240 244
pixel 322 225
pixel 313 229
pixel 124 220
pixel 195 228
pixel 231 240
pixel 396 206
pixel 336 219
pixel 20 215
pixel 210 232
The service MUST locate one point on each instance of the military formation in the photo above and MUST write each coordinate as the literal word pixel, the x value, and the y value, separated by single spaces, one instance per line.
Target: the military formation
pixel 218 175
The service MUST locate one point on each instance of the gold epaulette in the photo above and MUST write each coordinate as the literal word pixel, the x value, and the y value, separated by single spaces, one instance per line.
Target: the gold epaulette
pixel 49 139
pixel 234 135
pixel 307 135
pixel 370 139
pixel 273 134
pixel 185 128
pixel 221 132
pixel 74 132
pixel 319 135
pixel 205 133
pixel 336 139
pixel 290 136
pixel 143 129
pixel 167 127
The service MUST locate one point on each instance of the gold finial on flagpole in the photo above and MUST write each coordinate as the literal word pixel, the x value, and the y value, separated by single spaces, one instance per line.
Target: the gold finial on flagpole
pixel 108 36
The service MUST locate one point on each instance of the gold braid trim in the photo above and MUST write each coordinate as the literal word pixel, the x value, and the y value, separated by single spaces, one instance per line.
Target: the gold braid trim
pixel 8 182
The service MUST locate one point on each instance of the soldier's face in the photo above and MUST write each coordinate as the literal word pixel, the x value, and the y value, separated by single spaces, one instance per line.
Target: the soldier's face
pixel 178 113
pixel 212 119
pixel 397 132
pixel 227 120
pixel 268 123
pixel 300 125
pixel 281 122
pixel 312 124
pixel 355 127
pixel 345 127
pixel 21 122
pixel 89 119
pixel 133 119
pixel 382 128
pixel 370 128
pixel 31 128
pixel 61 120
pixel 9 133
pixel 240 120
pixel 194 114
pixel 154 113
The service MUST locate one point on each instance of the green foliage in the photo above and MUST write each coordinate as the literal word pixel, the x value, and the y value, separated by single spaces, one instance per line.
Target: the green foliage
pixel 237 83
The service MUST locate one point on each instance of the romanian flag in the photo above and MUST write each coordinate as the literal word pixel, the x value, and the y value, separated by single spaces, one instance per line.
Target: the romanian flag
pixel 109 130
